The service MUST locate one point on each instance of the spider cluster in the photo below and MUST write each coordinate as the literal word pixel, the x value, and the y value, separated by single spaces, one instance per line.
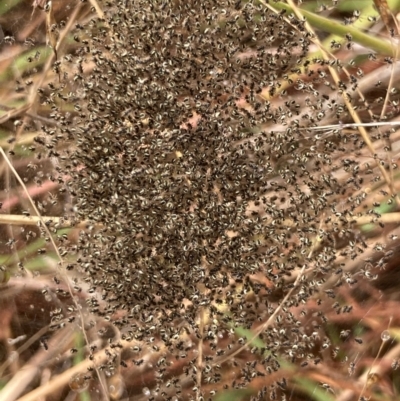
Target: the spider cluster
pixel 204 188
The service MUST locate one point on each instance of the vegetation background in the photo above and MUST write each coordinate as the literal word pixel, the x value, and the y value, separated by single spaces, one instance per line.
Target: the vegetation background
pixel 43 340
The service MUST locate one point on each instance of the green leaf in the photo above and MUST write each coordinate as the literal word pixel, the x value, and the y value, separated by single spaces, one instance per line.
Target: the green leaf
pixel 7 5
pixel 234 395
pixel 332 26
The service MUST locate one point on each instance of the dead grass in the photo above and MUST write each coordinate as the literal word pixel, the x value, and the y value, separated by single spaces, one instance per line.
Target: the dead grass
pixel 38 347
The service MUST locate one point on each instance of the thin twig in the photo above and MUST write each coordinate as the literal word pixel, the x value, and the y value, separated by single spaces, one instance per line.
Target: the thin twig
pixel 61 261
pixel 200 354
pixel 353 113
pixel 383 342
pixel 98 9
pixel 58 222
pixel 64 378
pixel 271 319
pixel 21 380
pixel 383 367
pixel 351 125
